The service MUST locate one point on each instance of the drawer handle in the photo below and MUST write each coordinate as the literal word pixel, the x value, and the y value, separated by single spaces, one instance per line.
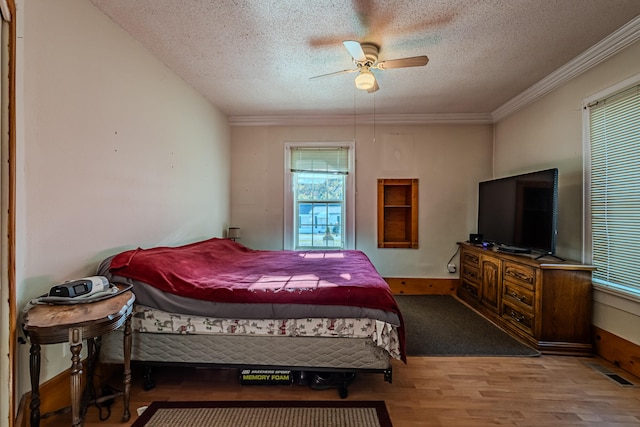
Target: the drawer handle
pixel 471 273
pixel 516 317
pixel 469 288
pixel 520 276
pixel 471 258
pixel 519 298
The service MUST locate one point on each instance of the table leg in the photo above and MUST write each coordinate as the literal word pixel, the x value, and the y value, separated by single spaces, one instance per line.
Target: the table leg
pixel 75 341
pixel 34 370
pixel 127 369
pixel 88 389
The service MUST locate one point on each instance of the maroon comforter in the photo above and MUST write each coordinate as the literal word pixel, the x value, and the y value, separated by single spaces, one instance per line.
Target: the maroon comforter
pixel 225 271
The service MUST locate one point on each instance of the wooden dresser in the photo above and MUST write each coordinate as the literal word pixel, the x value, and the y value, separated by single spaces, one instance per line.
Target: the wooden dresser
pixel 546 303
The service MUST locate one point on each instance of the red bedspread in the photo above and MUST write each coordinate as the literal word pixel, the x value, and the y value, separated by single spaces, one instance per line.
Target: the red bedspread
pixel 225 271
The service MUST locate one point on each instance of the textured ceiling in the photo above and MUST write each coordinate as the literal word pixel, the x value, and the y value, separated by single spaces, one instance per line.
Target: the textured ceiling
pixel 255 57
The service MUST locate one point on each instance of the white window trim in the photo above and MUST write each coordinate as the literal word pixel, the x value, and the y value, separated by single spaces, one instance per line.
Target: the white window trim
pixel 350 199
pixel 626 301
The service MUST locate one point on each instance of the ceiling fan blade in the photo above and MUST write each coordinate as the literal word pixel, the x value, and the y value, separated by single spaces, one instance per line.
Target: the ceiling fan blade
pixel 355 50
pixel 415 61
pixel 334 73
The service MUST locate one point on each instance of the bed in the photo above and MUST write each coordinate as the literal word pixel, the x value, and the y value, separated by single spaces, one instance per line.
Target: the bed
pixel 217 302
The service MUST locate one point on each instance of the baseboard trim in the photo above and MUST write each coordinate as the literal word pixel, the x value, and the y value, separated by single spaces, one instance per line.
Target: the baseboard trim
pixel 618 351
pixel 421 286
pixel 22 414
pixel 54 395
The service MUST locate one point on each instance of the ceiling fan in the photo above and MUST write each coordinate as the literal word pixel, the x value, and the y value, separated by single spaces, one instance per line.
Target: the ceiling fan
pixel 365 57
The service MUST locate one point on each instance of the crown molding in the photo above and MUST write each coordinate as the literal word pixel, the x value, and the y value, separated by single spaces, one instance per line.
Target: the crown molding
pixel 350 120
pixel 607 47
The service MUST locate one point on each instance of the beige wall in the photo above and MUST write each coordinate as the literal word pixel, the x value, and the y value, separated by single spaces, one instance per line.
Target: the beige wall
pixel 548 133
pixel 448 160
pixel 115 152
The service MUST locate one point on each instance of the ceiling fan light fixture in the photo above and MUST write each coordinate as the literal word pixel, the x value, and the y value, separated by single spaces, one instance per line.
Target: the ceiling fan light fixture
pixel 365 80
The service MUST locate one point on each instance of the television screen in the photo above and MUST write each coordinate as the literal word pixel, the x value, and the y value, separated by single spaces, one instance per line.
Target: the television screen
pixel 520 212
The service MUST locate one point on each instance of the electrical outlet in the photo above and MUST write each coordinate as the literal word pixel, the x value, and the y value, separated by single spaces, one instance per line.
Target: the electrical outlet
pixel 452 268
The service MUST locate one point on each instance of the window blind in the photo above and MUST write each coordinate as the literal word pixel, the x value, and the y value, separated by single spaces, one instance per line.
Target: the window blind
pixel 327 160
pixel 615 190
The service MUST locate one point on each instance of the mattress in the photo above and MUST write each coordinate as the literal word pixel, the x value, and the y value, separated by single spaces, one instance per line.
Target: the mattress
pixel 248 350
pixel 151 320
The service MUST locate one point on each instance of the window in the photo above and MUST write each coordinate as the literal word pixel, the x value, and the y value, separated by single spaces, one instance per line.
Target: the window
pixel 319 196
pixel 612 169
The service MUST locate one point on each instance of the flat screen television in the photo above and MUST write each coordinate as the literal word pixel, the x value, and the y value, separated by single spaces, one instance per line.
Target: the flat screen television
pixel 520 213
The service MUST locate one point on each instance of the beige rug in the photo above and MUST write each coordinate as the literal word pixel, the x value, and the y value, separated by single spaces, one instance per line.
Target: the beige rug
pixel 266 414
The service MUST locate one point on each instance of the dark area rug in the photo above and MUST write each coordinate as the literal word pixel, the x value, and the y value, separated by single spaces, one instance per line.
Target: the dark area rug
pixel 265 414
pixel 440 325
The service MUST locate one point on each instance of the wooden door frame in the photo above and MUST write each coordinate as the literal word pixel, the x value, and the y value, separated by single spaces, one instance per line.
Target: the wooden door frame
pixel 8 178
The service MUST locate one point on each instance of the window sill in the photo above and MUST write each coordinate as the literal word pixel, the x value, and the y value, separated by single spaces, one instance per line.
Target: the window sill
pixel 625 301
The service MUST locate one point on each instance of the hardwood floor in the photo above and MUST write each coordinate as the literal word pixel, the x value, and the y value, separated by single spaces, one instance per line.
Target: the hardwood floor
pixel 430 391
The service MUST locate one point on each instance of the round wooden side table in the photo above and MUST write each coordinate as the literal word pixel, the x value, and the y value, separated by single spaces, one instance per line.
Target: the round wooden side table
pixel 54 324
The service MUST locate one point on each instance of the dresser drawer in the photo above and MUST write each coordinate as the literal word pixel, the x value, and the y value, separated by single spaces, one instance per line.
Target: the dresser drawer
pixel 471 289
pixel 471 259
pixel 470 274
pixel 520 274
pixel 519 296
pixel 517 317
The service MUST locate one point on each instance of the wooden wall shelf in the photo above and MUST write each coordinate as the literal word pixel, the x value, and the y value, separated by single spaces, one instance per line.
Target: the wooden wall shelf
pixel 398 213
